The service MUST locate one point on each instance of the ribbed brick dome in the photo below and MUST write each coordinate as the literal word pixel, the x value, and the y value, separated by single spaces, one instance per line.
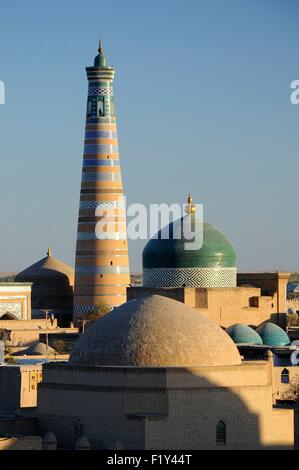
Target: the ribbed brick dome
pixel 154 331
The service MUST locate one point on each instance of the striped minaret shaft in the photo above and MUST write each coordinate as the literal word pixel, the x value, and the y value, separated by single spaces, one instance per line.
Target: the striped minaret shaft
pixel 102 264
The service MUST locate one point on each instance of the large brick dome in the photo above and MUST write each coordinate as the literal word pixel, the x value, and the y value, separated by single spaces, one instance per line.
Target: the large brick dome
pixel 154 331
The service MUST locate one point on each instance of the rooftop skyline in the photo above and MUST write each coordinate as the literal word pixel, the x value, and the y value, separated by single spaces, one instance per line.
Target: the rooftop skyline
pixel 203 106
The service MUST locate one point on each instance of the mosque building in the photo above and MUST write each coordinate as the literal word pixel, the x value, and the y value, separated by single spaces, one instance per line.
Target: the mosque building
pixel 102 264
pixel 159 371
pixel 188 360
pixel 155 374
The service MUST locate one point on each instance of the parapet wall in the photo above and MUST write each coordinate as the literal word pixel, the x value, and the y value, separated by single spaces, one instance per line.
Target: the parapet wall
pixel 225 306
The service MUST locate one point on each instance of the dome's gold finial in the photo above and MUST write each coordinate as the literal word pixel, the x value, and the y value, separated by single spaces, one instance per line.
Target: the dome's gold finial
pixel 49 252
pixel 190 208
pixel 100 49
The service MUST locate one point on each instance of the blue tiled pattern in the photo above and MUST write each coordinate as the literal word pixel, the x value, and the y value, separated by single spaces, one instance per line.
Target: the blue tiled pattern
pixel 101 134
pixel 100 90
pixel 94 162
pixel 100 176
pixel 99 120
pixel 92 149
pixel 189 277
pixel 90 308
pixel 102 205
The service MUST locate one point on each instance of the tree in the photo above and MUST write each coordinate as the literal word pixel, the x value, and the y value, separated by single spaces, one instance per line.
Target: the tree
pixel 98 311
pixel 292 317
pixel 292 391
pixel 60 346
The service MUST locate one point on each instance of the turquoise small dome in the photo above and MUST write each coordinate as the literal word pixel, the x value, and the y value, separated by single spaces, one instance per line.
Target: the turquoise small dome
pixel 100 60
pixel 273 335
pixel 243 334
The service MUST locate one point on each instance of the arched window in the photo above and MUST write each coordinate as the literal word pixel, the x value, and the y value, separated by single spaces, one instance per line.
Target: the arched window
pixel 79 429
pixel 285 376
pixel 101 108
pixel 9 316
pixel 221 433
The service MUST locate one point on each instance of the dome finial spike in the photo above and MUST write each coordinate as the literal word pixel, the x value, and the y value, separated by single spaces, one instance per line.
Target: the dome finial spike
pixel 190 208
pixel 49 252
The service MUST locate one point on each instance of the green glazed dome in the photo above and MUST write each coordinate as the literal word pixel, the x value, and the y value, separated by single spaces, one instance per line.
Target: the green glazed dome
pixel 243 334
pixel 273 335
pixel 167 262
pixel 216 251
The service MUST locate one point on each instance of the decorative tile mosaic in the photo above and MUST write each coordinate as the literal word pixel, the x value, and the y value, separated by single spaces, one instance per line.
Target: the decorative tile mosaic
pixel 90 308
pixel 100 91
pixel 85 309
pixel 14 309
pixel 89 177
pixel 93 149
pixel 189 277
pixel 101 134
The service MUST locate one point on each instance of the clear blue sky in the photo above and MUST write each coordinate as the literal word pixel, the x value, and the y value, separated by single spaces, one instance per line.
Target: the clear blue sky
pixel 202 90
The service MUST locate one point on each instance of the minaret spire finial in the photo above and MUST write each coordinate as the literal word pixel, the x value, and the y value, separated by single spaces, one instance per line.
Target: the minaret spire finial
pixel 100 60
pixel 49 252
pixel 100 49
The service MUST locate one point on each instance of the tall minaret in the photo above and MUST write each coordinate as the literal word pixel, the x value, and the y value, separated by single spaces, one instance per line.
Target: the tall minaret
pixel 102 264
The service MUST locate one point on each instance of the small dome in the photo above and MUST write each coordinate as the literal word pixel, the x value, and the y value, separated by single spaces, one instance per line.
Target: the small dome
pixel 273 335
pixel 100 60
pixel 154 331
pixel 38 349
pixel 243 334
pixel 167 262
pixel 48 270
